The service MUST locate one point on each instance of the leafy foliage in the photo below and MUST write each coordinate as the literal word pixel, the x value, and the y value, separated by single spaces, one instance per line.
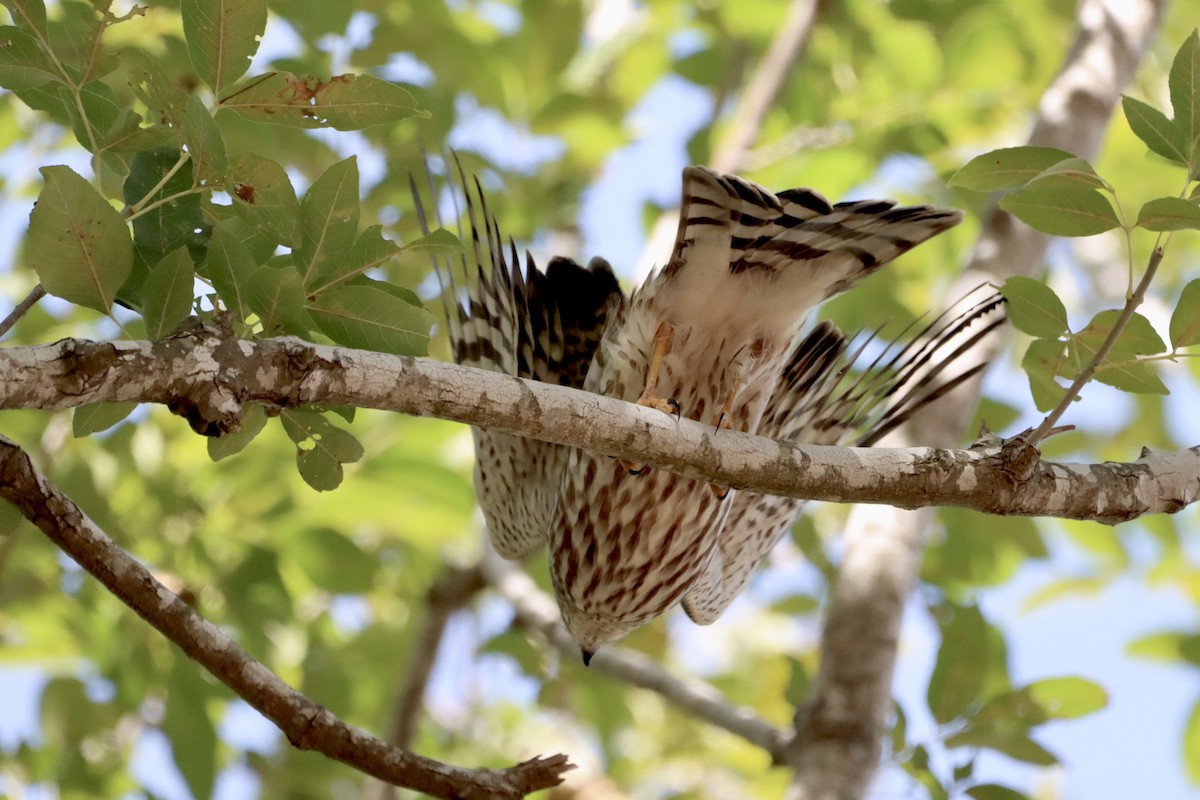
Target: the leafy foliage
pixel 189 173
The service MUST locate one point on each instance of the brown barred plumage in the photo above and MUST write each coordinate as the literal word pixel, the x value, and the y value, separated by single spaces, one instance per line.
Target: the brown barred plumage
pixel 747 268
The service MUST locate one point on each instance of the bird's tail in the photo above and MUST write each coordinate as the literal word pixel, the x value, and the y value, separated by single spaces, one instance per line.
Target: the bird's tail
pixel 828 396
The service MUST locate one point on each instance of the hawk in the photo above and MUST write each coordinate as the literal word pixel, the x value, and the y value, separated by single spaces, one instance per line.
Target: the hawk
pixel 711 336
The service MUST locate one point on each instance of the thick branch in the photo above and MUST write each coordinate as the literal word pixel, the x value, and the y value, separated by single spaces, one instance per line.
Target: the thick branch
pixel 840 728
pixel 207 375
pixel 536 610
pixel 307 725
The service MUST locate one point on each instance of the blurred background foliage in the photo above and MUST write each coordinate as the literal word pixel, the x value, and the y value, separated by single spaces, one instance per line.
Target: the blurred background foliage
pixel 551 102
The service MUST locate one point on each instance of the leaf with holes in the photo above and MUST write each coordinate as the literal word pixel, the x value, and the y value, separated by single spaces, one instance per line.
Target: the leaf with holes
pixel 222 36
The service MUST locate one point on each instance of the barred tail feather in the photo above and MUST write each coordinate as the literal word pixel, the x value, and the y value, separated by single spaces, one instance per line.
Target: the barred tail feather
pixel 820 401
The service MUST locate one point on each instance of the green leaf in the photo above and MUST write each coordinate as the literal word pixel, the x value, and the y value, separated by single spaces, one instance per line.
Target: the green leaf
pixel 222 36
pixel 229 267
pixel 1062 212
pixel 343 102
pixel 328 221
pixel 961 668
pixel 165 100
pixel 263 196
pixel 370 251
pixel 1042 362
pixel 177 217
pixel 1072 173
pixel 29 14
pixel 189 728
pixel 23 64
pixel 276 295
pixel 1169 214
pixel 367 318
pixel 1120 368
pixel 1184 85
pixel 167 293
pixel 332 562
pixel 1161 135
pixel 1067 697
pixel 96 417
pixel 253 421
pixel 994 791
pixel 204 142
pixel 1007 168
pixel 1185 320
pixel 321 448
pixel 78 244
pixel 1034 308
pixel 1191 745
pixel 437 242
pixel 1014 744
pixel 1170 646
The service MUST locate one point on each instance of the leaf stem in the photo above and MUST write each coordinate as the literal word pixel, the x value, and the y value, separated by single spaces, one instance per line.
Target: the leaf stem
pixel 139 208
pixel 1135 300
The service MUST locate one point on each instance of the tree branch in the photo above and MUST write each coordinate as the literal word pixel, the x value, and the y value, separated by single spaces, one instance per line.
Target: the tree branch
pixel 21 309
pixel 840 729
pixel 308 726
pixel 206 375
pixel 536 610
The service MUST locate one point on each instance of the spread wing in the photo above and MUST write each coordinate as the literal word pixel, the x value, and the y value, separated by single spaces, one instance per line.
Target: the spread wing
pixel 543 326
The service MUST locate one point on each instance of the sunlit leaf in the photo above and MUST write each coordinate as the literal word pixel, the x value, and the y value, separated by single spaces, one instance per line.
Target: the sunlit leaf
pixel 1191 745
pixel 78 243
pixel 437 242
pixel 321 449
pixel 1168 646
pixel 229 267
pixel 1071 173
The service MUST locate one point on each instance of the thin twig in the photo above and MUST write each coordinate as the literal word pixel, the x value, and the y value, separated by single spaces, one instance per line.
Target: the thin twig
pixel 535 610
pixel 307 725
pixel 1131 305
pixel 22 309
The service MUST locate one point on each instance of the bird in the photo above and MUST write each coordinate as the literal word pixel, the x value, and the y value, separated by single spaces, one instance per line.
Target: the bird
pixel 716 335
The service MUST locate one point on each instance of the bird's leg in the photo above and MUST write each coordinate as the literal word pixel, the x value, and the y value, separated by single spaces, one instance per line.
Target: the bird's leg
pixel 663 339
pixel 726 412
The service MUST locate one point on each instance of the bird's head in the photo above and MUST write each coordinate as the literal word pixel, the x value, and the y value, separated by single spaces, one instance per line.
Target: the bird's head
pixel 592 631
